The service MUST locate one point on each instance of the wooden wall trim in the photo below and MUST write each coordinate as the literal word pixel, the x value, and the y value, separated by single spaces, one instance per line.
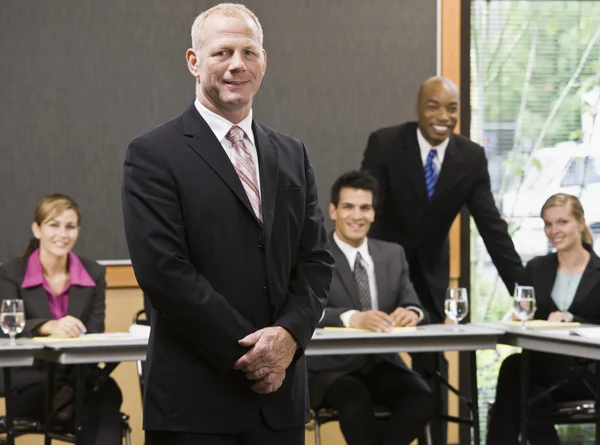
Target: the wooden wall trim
pixel 120 277
pixel 450 55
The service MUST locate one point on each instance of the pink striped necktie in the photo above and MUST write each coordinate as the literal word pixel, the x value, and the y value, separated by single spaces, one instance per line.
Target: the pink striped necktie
pixel 244 167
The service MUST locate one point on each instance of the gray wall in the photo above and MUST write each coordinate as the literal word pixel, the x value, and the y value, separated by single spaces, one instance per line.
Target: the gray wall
pixel 80 78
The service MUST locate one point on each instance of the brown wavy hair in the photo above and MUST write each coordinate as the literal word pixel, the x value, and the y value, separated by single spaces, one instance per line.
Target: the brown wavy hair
pixel 50 206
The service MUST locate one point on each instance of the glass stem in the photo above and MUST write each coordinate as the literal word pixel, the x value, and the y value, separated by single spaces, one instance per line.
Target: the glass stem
pixel 12 336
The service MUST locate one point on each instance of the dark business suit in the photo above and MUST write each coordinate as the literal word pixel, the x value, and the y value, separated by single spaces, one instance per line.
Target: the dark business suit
pixel 405 216
pixel 386 378
pixel 215 274
pixel 546 369
pixel 88 304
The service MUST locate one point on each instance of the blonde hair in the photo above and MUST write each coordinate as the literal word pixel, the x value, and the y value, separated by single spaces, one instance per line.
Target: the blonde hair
pixel 564 199
pixel 50 206
pixel 228 10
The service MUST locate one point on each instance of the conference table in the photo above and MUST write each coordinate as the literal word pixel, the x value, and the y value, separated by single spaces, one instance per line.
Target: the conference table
pixel 21 354
pixel 570 340
pixel 115 348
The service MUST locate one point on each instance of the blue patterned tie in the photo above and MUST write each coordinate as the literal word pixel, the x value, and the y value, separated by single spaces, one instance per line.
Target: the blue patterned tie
pixel 431 175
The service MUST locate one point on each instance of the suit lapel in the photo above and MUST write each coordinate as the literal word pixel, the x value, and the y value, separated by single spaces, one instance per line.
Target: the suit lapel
pixel 204 142
pixel 37 300
pixel 589 280
pixel 269 174
pixel 451 168
pixel 381 273
pixel 78 300
pixel 544 285
pixel 411 160
pixel 342 268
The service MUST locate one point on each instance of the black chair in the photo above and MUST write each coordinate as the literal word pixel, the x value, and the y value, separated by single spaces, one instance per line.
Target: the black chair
pixel 321 416
pixel 23 426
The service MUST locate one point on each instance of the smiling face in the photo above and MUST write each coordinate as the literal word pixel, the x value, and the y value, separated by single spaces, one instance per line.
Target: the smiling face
pixel 437 109
pixel 563 230
pixel 229 65
pixel 57 233
pixel 353 215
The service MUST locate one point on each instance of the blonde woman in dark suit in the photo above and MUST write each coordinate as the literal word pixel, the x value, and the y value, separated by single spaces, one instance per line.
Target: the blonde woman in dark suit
pixel 63 295
pixel 567 285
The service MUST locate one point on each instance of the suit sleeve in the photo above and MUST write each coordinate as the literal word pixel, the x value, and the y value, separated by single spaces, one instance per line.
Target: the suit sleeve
pixel 311 277
pixel 407 296
pixel 493 229
pixel 376 164
pixel 95 323
pixel 156 237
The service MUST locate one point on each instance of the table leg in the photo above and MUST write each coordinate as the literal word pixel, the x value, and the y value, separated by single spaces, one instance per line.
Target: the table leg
pixel 474 398
pixel 79 399
pixel 525 363
pixel 8 400
pixel 597 401
pixel 48 402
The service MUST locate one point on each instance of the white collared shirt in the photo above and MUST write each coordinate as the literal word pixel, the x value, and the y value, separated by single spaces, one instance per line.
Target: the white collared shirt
pixel 367 262
pixel 426 147
pixel 221 126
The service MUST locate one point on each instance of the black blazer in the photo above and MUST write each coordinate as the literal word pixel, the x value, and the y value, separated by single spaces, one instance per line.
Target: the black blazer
pixel 214 274
pixel 394 289
pixel 85 303
pixel 405 216
pixel 541 274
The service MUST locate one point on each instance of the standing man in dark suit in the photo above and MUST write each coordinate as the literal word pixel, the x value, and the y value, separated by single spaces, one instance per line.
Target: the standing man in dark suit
pixel 426 175
pixel 227 240
pixel 371 289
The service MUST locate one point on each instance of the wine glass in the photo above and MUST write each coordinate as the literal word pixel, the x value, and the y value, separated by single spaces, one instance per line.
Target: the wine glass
pixel 12 319
pixel 456 305
pixel 524 303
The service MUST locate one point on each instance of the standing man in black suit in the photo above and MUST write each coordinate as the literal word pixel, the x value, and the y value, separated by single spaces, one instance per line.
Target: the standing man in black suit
pixel 426 175
pixel 227 240
pixel 371 289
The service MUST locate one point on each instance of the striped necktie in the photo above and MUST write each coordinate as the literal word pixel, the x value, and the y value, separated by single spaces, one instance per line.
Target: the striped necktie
pixel 362 283
pixel 244 166
pixel 431 175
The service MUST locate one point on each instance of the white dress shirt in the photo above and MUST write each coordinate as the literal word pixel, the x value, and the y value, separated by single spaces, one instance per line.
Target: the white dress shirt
pixel 426 147
pixel 367 262
pixel 221 126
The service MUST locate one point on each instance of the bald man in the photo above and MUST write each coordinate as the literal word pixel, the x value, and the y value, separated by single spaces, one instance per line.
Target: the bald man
pixel 426 174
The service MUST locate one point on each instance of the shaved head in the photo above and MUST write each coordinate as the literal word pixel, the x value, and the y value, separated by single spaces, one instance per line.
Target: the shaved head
pixel 437 109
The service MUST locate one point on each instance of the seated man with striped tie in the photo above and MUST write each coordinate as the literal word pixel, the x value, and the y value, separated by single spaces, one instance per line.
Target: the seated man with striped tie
pixel 370 290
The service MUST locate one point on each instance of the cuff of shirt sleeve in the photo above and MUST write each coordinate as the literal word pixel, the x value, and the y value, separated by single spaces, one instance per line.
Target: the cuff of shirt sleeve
pixel 345 317
pixel 417 310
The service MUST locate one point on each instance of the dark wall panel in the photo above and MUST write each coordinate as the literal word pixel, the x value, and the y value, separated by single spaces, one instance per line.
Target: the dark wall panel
pixel 80 78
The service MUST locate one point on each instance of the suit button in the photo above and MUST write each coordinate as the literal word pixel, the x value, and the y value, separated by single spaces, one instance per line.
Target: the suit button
pixel 266 291
pixel 260 243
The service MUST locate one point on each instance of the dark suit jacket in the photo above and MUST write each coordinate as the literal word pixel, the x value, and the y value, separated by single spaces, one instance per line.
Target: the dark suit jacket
pixel 85 303
pixel 541 274
pixel 405 215
pixel 214 274
pixel 394 289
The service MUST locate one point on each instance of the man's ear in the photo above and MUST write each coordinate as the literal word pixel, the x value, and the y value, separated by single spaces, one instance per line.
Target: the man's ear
pixel 192 62
pixel 332 210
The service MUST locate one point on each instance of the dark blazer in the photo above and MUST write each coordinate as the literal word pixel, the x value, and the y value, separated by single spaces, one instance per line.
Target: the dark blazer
pixel 394 289
pixel 214 274
pixel 405 215
pixel 541 274
pixel 85 303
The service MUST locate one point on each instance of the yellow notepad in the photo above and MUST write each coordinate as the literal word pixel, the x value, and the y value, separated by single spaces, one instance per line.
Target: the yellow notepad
pixel 395 330
pixel 543 324
pixel 88 337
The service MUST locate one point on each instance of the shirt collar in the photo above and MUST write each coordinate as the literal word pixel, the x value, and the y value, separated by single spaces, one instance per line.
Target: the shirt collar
pixel 350 252
pixel 34 273
pixel 426 146
pixel 221 126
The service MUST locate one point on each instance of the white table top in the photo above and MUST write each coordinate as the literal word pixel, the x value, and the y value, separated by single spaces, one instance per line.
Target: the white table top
pixel 20 355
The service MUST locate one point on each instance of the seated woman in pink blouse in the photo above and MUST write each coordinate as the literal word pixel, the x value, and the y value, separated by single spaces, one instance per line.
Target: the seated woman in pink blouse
pixel 63 295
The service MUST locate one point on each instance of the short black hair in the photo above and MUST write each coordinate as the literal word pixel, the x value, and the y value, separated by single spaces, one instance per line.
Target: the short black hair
pixel 361 180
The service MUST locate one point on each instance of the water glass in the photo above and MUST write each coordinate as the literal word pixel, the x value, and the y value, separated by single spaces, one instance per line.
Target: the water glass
pixel 12 318
pixel 524 303
pixel 456 305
